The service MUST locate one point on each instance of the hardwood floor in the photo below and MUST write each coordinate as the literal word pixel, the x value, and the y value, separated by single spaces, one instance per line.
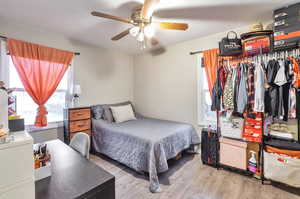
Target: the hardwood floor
pixel 187 178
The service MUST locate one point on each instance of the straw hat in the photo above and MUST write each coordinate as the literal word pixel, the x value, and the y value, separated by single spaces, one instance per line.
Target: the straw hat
pixel 256 29
pixel 258 26
pixel 270 26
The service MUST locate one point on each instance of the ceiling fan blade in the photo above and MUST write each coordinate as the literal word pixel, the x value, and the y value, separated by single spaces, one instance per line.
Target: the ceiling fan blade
pixel 107 16
pixel 172 26
pixel 148 8
pixel 121 35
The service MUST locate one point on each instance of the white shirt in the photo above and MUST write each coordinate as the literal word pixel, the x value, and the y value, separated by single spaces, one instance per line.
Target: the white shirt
pixel 259 94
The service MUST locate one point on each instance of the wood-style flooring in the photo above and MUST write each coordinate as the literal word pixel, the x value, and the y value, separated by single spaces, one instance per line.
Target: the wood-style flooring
pixel 188 178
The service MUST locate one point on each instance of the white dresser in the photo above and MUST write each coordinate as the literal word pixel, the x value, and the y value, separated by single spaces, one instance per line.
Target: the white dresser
pixel 17 168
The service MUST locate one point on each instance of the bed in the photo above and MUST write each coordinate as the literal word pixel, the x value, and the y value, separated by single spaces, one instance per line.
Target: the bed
pixel 144 144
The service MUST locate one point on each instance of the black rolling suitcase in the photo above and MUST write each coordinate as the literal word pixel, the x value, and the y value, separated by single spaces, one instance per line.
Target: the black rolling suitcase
pixel 210 147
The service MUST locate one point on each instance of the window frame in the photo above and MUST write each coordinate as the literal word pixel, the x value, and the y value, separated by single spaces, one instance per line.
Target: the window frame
pixel 201 91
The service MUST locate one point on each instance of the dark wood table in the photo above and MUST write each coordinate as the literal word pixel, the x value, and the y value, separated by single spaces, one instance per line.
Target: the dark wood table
pixel 73 176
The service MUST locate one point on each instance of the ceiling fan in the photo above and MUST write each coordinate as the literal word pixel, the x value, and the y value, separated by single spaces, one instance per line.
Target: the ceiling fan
pixel 143 28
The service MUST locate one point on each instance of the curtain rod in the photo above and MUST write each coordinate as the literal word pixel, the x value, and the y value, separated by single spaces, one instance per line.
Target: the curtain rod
pixel 3 37
pixel 196 52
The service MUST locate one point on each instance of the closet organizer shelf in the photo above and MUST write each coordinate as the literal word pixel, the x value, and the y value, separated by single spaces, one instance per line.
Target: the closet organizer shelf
pixel 282 144
pixel 266 140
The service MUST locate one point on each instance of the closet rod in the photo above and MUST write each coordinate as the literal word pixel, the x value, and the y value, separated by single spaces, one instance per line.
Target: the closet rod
pixel 196 52
pixel 292 48
pixel 3 37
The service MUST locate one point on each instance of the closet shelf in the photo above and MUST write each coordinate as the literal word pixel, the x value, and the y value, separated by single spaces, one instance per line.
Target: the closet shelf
pixel 241 140
pixel 283 144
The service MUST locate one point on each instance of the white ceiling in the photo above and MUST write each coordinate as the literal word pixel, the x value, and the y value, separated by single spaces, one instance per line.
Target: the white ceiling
pixel 72 17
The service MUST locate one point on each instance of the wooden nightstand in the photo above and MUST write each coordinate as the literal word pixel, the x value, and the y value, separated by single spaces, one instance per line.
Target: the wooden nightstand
pixel 76 120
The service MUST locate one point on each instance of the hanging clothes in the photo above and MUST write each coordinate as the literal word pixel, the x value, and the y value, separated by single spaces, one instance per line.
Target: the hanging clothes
pixel 293 69
pixel 265 85
pixel 234 77
pixel 283 95
pixel 228 92
pixel 280 78
pixel 242 96
pixel 296 69
pixel 250 86
pixel 298 104
pixel 259 94
pixel 287 89
pixel 222 74
pixel 236 86
pixel 292 103
pixel 217 92
pixel 272 90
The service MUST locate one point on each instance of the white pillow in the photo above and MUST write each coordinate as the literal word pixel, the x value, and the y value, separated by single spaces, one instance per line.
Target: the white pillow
pixel 122 113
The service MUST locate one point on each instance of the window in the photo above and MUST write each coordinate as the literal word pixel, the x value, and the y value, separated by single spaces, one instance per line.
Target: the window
pixel 205 115
pixel 27 108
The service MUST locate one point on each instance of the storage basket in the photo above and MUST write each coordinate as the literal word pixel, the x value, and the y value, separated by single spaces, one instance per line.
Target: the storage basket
pixel 232 128
pixel 282 168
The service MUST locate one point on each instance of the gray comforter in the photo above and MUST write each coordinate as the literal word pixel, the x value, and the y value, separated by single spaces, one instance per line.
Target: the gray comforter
pixel 144 144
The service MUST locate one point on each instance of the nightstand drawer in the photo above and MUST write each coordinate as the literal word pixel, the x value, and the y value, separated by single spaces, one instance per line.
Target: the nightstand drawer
pixel 80 114
pixel 81 125
pixel 89 132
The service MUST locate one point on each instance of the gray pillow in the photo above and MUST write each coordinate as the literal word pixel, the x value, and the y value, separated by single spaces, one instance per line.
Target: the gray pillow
pixel 108 114
pixel 97 111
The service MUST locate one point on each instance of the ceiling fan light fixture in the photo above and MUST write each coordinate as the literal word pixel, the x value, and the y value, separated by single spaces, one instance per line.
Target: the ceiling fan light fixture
pixel 134 31
pixel 149 31
pixel 140 37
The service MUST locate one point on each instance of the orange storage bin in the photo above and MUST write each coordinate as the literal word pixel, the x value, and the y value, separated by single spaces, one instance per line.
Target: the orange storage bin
pixel 253 129
pixel 291 153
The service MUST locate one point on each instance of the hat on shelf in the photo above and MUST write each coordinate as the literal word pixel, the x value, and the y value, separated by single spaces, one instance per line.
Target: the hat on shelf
pixel 258 26
pixel 256 29
pixel 270 26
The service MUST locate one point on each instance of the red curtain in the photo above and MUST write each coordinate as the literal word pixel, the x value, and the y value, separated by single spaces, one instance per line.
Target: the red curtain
pixel 40 69
pixel 210 58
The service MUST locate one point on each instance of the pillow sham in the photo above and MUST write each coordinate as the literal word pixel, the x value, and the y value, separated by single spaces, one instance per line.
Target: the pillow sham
pixel 122 113
pixel 107 114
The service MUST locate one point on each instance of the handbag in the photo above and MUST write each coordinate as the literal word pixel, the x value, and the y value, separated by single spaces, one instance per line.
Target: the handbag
pixel 230 47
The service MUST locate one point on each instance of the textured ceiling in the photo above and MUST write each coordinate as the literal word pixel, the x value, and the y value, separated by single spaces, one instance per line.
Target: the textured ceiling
pixel 72 18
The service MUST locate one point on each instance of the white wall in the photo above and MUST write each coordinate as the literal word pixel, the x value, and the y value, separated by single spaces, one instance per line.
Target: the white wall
pixel 165 86
pixel 105 76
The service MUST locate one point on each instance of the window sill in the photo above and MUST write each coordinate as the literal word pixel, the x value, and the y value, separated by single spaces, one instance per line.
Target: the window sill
pixel 51 125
